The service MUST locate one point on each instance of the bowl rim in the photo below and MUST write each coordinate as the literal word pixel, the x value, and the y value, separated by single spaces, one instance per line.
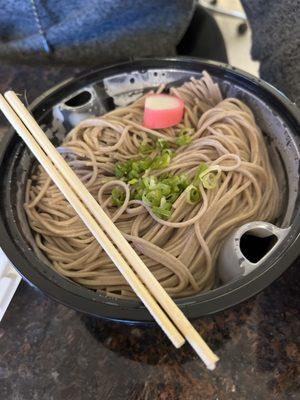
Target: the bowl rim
pixel 195 306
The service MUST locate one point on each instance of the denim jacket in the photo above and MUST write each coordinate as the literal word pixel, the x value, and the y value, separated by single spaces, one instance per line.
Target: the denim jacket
pixel 88 31
pixel 79 32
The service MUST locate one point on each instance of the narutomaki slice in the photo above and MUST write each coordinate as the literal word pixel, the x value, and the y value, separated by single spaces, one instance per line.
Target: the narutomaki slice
pixel 162 111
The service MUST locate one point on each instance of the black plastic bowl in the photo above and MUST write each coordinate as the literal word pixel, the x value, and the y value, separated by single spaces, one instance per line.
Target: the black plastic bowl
pixel 65 104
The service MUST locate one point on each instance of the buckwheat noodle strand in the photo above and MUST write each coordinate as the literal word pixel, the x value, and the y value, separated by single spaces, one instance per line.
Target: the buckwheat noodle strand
pixel 182 250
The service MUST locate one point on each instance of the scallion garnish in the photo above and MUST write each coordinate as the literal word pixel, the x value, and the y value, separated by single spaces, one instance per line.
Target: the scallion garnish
pixel 200 171
pixel 209 180
pixel 184 137
pixel 146 148
pixel 193 194
pixel 183 140
pixel 132 169
pixel 161 212
pixel 133 181
pixel 162 144
pixel 208 176
pixel 160 193
pixel 117 197
pixel 160 162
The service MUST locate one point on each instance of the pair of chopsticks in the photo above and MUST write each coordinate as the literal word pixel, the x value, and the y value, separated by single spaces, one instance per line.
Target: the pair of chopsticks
pixel 160 305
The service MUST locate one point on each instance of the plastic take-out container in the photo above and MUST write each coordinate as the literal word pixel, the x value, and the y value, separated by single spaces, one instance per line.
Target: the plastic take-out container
pixel 252 257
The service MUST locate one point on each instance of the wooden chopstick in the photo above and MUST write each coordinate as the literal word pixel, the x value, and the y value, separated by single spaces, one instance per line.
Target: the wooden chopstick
pixel 138 287
pixel 161 296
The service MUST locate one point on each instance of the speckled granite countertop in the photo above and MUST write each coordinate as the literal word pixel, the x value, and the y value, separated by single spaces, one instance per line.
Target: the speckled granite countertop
pixel 49 352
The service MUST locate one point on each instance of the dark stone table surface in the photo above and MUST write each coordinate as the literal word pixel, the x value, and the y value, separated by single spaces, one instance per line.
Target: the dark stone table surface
pixel 50 352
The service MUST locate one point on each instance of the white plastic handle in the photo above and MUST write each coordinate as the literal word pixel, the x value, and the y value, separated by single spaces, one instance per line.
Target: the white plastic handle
pixel 231 261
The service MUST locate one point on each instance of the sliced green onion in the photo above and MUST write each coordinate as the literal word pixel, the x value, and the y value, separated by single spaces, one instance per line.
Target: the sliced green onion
pixel 146 148
pixel 183 140
pixel 117 197
pixel 177 184
pixel 209 180
pixel 162 144
pixel 173 197
pixel 168 151
pixel 145 164
pixel 208 176
pixel 164 209
pixel 161 212
pixel 137 193
pixel 131 170
pixel 201 169
pixel 164 204
pixel 152 198
pixel 120 170
pixel 183 181
pixel 193 194
pixel 165 189
pixel 133 181
pixel 159 193
pixel 160 162
pixel 149 182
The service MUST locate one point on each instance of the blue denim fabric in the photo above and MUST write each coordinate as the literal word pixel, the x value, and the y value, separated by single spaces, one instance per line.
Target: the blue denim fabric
pixel 91 31
pixel 79 32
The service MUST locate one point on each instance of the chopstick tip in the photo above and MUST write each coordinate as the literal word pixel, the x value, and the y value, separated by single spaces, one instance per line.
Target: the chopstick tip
pixel 10 93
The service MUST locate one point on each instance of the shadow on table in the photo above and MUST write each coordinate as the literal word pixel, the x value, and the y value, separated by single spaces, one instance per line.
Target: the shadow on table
pixel 148 344
pixel 261 327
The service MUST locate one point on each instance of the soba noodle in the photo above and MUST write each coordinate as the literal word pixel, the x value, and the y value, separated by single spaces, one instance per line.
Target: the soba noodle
pixel 180 250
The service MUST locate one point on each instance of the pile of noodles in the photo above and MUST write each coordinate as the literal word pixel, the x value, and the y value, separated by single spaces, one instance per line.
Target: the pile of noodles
pixel 181 251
